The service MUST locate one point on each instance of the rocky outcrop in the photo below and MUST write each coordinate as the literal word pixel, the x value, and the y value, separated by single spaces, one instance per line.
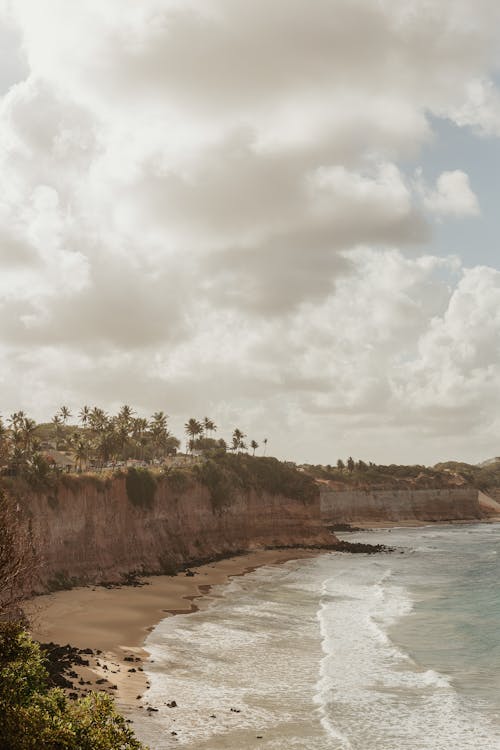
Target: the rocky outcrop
pixel 90 530
pixel 377 506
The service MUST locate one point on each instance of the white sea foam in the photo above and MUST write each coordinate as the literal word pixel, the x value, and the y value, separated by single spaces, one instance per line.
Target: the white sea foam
pixel 307 653
pixel 370 693
pixel 251 651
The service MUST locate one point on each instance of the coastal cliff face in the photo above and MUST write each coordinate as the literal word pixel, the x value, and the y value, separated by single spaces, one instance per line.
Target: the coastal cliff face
pixel 91 531
pixel 376 506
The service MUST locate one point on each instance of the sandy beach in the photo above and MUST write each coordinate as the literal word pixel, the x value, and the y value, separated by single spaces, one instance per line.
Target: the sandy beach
pixel 115 622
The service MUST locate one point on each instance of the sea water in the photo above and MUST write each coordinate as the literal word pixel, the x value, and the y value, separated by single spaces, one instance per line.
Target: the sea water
pixel 395 651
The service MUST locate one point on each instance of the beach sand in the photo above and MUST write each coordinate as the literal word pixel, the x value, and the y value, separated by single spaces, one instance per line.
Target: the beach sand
pixel 115 622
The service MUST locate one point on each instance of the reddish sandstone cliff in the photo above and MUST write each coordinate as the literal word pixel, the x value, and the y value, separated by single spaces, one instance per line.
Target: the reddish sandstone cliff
pixel 91 531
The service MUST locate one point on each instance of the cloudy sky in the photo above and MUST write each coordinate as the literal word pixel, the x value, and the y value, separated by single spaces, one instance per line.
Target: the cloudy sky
pixel 283 215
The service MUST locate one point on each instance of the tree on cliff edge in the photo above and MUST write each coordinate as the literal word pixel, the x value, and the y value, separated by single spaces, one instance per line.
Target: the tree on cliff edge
pixel 17 558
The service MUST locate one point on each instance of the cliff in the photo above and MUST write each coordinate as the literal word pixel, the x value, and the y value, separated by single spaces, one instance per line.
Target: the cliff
pixel 376 506
pixel 89 530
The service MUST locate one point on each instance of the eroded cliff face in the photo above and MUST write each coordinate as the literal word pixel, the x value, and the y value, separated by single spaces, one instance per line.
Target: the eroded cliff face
pixel 92 532
pixel 377 506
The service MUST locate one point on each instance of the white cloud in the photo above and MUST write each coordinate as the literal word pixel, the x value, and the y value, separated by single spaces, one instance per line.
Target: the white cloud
pixel 480 108
pixel 202 208
pixel 452 196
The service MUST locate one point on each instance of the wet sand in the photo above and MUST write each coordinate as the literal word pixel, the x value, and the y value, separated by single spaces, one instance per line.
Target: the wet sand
pixel 115 622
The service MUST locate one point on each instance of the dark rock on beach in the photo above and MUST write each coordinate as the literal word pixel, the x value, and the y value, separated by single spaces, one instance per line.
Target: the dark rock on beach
pixel 360 548
pixel 60 661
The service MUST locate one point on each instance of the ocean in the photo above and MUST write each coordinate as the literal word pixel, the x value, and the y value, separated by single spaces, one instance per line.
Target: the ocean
pixel 395 651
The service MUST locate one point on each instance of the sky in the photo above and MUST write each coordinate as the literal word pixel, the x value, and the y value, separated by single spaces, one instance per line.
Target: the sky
pixel 282 215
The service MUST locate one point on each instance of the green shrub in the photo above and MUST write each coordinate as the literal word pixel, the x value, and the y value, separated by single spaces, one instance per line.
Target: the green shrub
pixel 219 481
pixel 178 480
pixel 227 474
pixel 32 716
pixel 141 487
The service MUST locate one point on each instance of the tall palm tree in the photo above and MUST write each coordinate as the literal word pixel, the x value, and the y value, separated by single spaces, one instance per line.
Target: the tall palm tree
pixel 159 421
pixel 84 415
pixel 98 419
pixel 16 419
pixel 139 427
pixel 254 445
pixel 125 414
pixel 193 428
pixel 81 453
pixel 238 437
pixel 209 425
pixel 57 422
pixel 28 429
pixel 122 435
pixel 265 445
pixel 64 413
pixel 159 432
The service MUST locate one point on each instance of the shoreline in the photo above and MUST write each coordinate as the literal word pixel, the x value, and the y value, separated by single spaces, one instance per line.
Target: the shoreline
pixel 415 524
pixel 109 626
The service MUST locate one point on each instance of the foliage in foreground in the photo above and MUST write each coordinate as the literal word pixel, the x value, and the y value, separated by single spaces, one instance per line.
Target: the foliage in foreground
pixel 32 716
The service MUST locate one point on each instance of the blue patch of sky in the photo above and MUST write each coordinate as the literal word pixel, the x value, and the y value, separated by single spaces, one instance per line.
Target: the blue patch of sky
pixel 13 63
pixel 476 240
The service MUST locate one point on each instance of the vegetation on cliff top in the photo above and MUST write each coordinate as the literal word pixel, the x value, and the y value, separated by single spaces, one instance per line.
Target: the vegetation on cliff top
pixel 39 452
pixel 361 475
pixel 226 474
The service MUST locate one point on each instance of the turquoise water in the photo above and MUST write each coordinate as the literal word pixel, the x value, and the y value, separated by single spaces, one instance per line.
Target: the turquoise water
pixel 455 625
pixel 341 652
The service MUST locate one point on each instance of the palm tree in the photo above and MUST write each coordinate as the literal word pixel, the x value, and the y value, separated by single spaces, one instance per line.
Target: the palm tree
pixel 16 419
pixel 193 428
pixel 159 421
pixel 238 437
pixel 81 453
pixel 84 415
pixel 254 445
pixel 107 444
pixel 265 445
pixel 125 414
pixel 57 422
pixel 209 425
pixel 159 432
pixel 64 413
pixel 98 419
pixel 28 429
pixel 121 430
pixel 139 427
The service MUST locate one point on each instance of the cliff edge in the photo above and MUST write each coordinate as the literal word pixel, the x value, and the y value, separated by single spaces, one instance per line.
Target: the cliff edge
pixel 91 529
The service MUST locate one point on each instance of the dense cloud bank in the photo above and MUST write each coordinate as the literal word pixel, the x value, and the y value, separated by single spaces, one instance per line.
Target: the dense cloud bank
pixel 203 209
